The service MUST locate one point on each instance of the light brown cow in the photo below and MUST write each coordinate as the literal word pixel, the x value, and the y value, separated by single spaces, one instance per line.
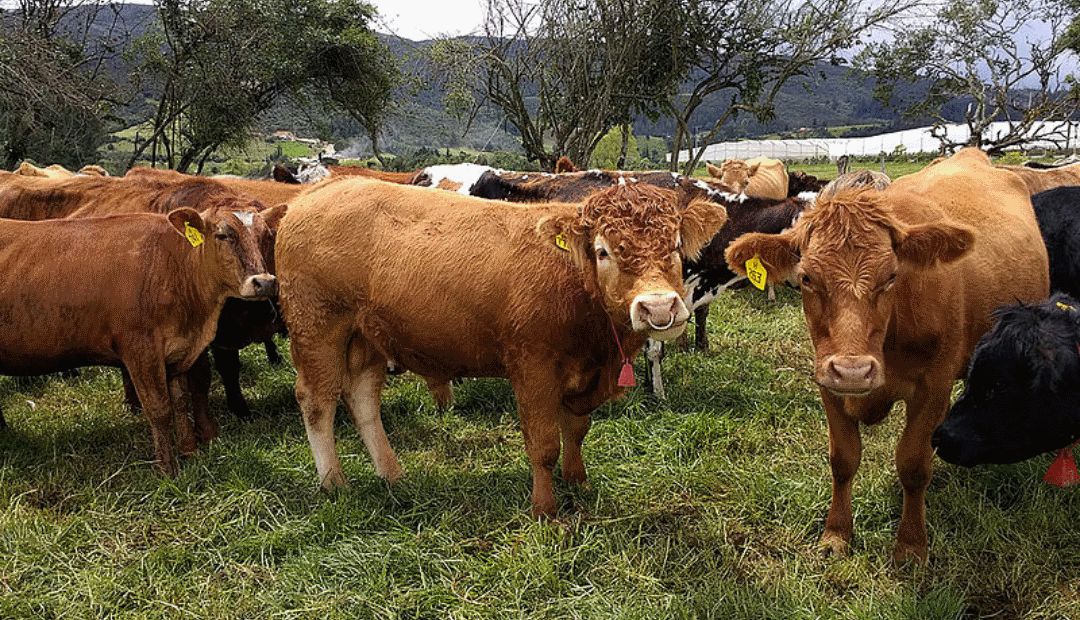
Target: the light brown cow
pixel 1042 179
pixel 141 291
pixel 768 178
pixel 897 287
pixel 449 286
pixel 733 174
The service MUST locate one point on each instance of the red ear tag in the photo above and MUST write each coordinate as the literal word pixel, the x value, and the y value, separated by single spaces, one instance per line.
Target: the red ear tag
pixel 626 377
pixel 1062 471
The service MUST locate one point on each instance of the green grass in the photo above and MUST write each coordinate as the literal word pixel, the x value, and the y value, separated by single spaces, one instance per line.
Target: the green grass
pixel 708 505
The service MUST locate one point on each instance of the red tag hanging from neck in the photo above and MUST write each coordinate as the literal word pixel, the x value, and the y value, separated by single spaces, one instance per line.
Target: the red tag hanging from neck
pixel 1063 471
pixel 626 377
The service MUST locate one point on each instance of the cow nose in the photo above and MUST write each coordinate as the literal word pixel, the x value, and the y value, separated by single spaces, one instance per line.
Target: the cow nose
pixel 851 373
pixel 262 285
pixel 664 315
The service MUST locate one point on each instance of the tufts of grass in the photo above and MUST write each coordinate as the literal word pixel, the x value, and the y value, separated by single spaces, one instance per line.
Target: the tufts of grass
pixel 707 505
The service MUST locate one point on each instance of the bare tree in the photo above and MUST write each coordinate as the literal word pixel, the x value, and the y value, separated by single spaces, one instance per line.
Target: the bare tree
pixel 746 50
pixel 1003 61
pixel 55 90
pixel 564 71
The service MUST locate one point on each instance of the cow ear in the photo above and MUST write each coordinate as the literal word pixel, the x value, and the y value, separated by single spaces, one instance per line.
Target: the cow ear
pixel 184 217
pixel 777 253
pixel 701 220
pixel 713 170
pixel 273 215
pixel 751 169
pixel 565 232
pixel 922 245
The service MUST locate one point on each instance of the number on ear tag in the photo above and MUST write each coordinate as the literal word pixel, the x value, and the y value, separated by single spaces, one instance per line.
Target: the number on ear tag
pixel 193 235
pixel 756 272
pixel 560 242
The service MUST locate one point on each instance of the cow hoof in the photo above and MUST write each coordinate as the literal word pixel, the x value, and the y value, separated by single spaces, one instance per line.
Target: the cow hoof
pixel 907 554
pixel 335 480
pixel 834 544
pixel 239 408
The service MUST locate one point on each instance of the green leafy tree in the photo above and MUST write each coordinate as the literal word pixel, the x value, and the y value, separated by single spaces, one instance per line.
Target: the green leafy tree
pixel 1005 60
pixel 215 65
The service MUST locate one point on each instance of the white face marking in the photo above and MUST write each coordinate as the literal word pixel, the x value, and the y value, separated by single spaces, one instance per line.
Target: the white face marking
pixel 247 218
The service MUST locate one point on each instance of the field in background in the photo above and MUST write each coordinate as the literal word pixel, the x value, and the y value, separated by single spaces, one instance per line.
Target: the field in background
pixel 708 505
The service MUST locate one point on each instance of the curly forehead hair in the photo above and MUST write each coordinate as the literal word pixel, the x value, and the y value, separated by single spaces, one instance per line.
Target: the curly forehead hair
pixel 640 221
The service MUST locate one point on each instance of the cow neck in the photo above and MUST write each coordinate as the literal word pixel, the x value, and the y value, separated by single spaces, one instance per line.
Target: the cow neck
pixel 626 375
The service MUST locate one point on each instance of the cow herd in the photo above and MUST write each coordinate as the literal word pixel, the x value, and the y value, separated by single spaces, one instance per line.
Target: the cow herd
pixel 556 282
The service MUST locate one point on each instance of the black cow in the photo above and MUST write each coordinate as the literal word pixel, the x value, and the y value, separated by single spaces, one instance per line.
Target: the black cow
pixel 1022 387
pixel 1058 213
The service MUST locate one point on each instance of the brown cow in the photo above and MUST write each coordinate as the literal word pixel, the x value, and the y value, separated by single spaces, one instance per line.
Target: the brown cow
pixel 1042 179
pixel 140 291
pixel 733 174
pixel 555 297
pixel 898 286
pixel 267 191
pixel 160 191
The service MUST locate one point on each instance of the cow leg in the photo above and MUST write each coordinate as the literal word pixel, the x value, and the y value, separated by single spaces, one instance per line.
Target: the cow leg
pixel 441 392
pixel 845 452
pixel 362 392
pixel 914 464
pixel 573 427
pixel 538 407
pixel 150 385
pixel 198 384
pixel 227 362
pixel 701 322
pixel 131 397
pixel 186 442
pixel 272 355
pixel 320 366
pixel 654 351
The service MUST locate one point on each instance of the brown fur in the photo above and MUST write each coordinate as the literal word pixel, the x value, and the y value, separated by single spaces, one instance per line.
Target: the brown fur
pixel 564 164
pixel 267 191
pixel 733 174
pixel 1040 180
pixel 960 238
pixel 448 286
pixel 135 294
pixel 404 178
pixel 768 178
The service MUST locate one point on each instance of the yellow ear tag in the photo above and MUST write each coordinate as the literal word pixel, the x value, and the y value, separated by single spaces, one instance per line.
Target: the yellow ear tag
pixel 193 235
pixel 756 272
pixel 1064 306
pixel 560 242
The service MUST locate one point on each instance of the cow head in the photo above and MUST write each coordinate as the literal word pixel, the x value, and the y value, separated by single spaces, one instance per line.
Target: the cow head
pixel 850 255
pixel 228 251
pixel 630 241
pixel 733 174
pixel 1022 388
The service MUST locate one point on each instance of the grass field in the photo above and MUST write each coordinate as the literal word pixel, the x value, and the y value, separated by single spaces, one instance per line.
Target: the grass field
pixel 708 505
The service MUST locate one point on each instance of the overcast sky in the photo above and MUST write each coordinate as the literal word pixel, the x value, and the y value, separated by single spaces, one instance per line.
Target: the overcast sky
pixel 425 19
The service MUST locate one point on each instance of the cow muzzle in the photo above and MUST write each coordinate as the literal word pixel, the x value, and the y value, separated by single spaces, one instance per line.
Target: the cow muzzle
pixel 850 375
pixel 663 315
pixel 260 286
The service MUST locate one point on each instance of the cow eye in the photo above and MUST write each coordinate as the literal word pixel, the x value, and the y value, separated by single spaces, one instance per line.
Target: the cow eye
pixel 806 282
pixel 602 254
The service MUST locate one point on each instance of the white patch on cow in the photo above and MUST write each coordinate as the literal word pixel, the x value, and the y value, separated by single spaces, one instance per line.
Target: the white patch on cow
pixel 247 218
pixel 464 174
pixel 810 197
pixel 622 181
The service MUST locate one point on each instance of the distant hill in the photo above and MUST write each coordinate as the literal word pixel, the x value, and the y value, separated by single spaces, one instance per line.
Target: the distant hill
pixel 831 97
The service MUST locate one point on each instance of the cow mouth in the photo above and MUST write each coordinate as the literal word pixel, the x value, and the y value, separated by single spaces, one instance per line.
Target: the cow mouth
pixel 850 393
pixel 670 331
